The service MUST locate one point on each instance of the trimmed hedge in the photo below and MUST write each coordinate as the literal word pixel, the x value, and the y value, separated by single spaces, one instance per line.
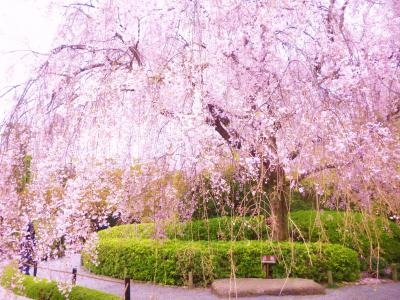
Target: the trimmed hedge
pixel 129 231
pixel 35 288
pixel 352 230
pixel 170 261
pixel 222 229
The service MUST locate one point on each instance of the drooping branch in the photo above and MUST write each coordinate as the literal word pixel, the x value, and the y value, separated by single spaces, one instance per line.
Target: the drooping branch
pixel 219 120
pixel 317 170
pixel 321 168
pixel 72 47
pixel 330 20
pixel 88 4
pixel 89 67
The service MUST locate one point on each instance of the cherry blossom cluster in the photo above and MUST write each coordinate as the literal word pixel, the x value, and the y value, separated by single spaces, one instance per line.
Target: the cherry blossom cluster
pixel 294 94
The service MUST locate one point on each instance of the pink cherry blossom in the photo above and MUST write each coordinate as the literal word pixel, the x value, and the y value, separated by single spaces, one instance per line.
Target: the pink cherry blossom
pixel 135 90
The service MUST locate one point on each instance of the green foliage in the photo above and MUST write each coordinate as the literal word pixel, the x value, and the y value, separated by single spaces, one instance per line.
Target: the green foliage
pixel 370 236
pixel 375 266
pixel 350 229
pixel 83 293
pixel 170 261
pixel 224 228
pixel 300 202
pixel 241 194
pixel 23 176
pixel 43 289
pixel 211 204
pixel 144 230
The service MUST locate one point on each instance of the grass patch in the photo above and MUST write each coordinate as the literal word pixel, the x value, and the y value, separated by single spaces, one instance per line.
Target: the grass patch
pixel 35 288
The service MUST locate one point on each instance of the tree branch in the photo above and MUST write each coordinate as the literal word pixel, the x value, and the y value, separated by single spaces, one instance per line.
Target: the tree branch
pixel 318 169
pixel 219 120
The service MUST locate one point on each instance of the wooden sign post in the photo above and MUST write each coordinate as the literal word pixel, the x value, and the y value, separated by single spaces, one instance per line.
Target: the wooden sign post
pixel 266 261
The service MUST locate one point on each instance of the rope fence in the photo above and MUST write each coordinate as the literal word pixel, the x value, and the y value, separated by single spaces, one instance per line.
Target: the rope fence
pixel 126 282
pixel 83 275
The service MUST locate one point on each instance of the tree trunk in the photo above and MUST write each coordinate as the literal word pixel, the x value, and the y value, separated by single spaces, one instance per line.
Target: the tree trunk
pixel 278 205
pixel 275 187
pixel 279 213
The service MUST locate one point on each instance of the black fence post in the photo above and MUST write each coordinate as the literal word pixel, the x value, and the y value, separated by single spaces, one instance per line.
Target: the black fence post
pixel 35 269
pixel 127 288
pixel 74 276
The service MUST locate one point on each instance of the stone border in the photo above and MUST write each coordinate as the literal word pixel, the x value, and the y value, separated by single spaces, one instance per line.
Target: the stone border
pixel 243 287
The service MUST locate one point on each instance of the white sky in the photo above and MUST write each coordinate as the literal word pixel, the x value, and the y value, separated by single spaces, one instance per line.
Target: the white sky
pixel 24 25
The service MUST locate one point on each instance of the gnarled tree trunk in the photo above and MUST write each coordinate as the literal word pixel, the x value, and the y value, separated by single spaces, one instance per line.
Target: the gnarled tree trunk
pixel 272 177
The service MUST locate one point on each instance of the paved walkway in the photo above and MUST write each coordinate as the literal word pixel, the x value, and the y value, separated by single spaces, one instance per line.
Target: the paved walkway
pixel 148 291
pixel 8 295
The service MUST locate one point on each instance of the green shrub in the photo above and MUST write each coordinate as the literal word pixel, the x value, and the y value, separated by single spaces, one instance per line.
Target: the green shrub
pixel 224 228
pixel 144 230
pixel 375 266
pixel 301 202
pixel 352 230
pixel 170 261
pixel 36 288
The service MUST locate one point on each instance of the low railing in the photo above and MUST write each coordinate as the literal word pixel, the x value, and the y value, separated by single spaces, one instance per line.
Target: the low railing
pixel 74 274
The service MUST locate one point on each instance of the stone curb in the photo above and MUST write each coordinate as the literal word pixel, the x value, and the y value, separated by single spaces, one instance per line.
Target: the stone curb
pixel 244 287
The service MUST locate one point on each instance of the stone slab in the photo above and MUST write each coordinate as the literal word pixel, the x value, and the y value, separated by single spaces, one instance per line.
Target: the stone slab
pixel 244 287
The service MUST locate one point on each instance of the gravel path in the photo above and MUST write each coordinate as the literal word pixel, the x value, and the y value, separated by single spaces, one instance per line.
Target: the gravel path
pixel 147 291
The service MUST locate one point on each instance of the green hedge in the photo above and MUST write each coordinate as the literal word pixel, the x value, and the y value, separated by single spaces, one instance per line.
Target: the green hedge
pixel 36 288
pixel 223 229
pixel 359 232
pixel 353 230
pixel 170 261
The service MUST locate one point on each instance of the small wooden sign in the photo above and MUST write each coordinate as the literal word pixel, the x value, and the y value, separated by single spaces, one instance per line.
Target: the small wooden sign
pixel 268 259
